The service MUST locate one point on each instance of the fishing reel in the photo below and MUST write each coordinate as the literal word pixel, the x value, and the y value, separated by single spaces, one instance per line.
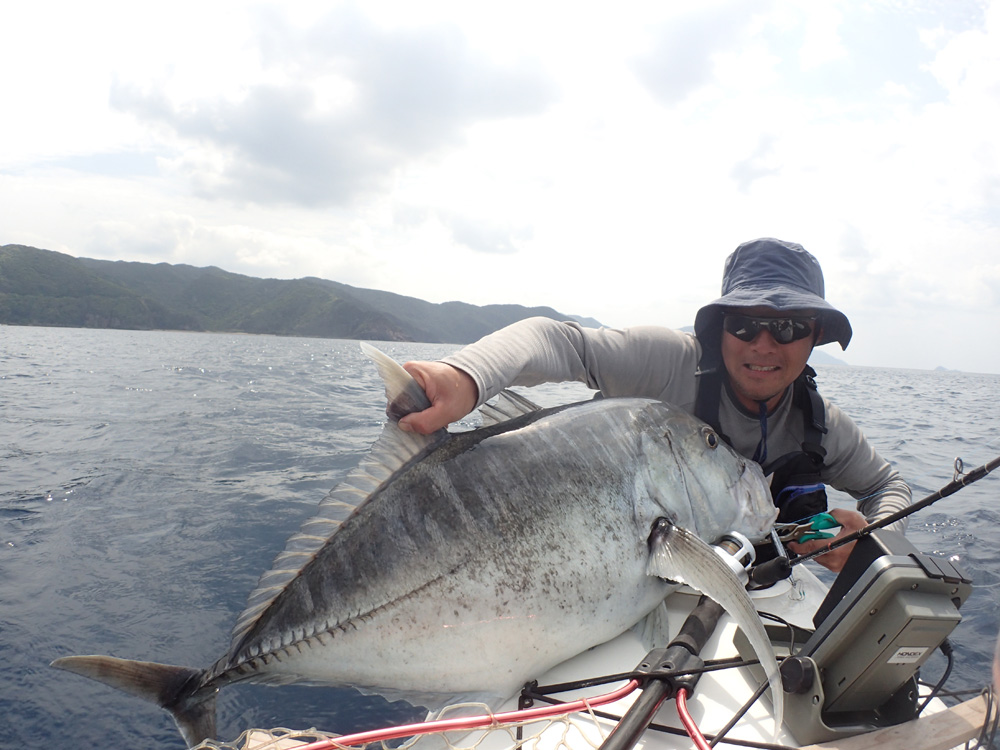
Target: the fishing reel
pixel 741 556
pixel 737 553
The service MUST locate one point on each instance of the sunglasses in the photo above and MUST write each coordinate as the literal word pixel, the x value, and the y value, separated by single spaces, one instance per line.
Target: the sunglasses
pixel 782 330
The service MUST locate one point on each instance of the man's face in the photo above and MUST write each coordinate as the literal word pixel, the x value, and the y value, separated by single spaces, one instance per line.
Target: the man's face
pixel 761 369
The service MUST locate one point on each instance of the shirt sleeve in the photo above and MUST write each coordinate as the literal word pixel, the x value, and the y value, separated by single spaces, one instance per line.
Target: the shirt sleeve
pixel 645 361
pixel 853 466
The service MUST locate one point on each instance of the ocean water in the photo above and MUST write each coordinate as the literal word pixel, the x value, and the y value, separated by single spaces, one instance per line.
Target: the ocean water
pixel 148 478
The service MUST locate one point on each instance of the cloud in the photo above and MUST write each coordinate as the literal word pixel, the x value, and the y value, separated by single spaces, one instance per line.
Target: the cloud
pixel 760 164
pixel 481 233
pixel 123 164
pixel 155 238
pixel 682 56
pixel 485 235
pixel 180 238
pixel 337 110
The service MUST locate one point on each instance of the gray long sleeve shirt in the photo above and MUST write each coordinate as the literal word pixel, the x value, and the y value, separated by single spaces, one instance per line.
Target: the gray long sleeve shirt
pixel 660 363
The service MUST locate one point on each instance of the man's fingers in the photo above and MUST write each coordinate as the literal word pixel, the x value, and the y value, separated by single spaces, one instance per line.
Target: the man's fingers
pixel 425 422
pixel 416 371
pixel 452 394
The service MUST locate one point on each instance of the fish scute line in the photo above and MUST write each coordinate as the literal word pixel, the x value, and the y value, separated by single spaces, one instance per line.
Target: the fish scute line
pixel 279 648
pixel 308 545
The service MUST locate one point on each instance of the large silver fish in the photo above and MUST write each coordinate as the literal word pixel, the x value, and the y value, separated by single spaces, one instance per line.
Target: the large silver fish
pixel 476 561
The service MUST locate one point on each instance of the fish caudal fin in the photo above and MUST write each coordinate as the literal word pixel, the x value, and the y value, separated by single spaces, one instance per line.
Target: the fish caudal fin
pixel 176 689
pixel 679 555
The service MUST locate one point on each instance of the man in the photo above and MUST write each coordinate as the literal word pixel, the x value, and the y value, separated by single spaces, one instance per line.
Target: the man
pixel 744 371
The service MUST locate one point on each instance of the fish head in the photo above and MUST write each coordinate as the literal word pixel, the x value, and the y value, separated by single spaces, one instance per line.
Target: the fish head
pixel 698 481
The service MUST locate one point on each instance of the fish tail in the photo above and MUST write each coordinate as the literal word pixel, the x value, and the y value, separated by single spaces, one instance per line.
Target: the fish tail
pixel 179 690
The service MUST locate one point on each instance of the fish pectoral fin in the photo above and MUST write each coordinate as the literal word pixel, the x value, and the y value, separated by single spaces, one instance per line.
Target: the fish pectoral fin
pixel 176 689
pixel 664 561
pixel 680 555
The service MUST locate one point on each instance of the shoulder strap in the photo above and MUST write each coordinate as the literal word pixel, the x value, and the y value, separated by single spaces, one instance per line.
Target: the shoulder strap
pixel 807 398
pixel 706 405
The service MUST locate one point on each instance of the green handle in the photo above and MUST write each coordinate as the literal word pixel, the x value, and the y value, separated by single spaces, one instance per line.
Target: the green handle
pixel 820 521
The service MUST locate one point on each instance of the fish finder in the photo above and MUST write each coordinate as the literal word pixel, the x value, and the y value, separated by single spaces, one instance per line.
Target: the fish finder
pixel 885 614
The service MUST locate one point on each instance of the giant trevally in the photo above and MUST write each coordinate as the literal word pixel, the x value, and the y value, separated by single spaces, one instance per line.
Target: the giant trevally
pixel 474 561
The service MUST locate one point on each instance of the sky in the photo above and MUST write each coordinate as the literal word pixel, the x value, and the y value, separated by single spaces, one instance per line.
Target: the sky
pixel 599 158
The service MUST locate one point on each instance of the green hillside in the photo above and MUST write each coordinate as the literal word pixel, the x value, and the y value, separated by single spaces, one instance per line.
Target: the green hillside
pixel 46 288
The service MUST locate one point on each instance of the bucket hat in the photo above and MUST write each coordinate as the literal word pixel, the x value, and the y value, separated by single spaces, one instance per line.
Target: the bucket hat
pixel 780 275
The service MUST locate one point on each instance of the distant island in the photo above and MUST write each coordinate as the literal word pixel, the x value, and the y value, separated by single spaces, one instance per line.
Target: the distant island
pixel 47 288
pixel 820 357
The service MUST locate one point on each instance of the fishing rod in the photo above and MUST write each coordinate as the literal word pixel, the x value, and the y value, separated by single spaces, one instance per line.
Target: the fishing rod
pixel 960 481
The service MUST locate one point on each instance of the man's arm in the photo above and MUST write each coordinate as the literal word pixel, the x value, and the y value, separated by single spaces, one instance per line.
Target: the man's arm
pixel 643 361
pixel 529 352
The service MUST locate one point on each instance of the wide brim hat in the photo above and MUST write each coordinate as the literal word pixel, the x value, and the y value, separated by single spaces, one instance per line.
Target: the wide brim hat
pixel 779 275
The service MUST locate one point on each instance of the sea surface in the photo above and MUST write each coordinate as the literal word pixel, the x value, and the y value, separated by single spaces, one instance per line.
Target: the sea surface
pixel 147 479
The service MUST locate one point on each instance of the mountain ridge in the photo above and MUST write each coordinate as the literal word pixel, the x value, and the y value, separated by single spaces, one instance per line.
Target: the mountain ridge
pixel 46 287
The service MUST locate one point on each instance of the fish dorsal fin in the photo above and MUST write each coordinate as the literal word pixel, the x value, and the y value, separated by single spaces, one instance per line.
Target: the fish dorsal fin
pixel 393 449
pixel 402 393
pixel 507 406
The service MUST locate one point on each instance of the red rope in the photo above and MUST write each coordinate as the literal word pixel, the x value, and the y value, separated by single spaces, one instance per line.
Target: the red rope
pixel 471 722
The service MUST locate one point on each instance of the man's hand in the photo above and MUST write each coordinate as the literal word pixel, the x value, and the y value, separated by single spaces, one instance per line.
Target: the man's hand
pixel 452 394
pixel 850 521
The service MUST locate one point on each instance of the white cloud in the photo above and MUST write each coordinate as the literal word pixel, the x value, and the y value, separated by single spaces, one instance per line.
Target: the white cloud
pixel 383 98
pixel 821 41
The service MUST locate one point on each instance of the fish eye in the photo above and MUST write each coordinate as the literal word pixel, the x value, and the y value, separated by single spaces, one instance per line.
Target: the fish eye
pixel 711 439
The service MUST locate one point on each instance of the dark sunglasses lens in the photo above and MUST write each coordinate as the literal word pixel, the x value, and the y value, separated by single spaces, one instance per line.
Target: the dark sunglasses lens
pixel 783 330
pixel 742 327
pixel 798 328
